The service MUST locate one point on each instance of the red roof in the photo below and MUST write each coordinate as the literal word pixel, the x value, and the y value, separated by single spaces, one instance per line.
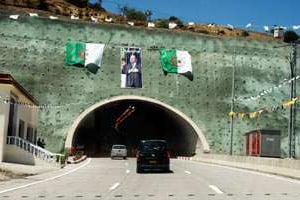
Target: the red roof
pixel 8 79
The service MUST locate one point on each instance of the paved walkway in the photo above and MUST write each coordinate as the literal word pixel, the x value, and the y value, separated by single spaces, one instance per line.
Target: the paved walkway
pixel 15 170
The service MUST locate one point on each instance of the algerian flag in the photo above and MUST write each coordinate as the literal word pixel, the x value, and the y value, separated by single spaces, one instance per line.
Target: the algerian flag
pixel 175 61
pixel 84 54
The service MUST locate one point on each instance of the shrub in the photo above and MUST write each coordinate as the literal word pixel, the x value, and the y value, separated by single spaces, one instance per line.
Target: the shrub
pixel 162 23
pixel 245 34
pixel 133 14
pixel 79 3
pixel 202 31
pixel 221 32
pixel 290 36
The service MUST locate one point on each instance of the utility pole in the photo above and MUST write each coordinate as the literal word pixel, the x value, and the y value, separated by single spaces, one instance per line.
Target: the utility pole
pixel 232 102
pixel 293 94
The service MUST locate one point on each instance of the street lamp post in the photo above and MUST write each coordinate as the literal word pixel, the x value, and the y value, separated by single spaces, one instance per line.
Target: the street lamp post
pixel 232 102
pixel 293 94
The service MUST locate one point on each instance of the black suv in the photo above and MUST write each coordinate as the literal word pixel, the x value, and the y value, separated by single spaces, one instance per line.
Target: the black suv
pixel 152 155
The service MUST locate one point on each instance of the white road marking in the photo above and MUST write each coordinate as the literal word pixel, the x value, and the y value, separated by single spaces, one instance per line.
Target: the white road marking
pixel 216 189
pixel 126 164
pixel 114 186
pixel 48 179
pixel 188 172
pixel 127 171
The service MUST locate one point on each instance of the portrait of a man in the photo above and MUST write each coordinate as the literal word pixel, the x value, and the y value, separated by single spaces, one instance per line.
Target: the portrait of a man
pixel 131 68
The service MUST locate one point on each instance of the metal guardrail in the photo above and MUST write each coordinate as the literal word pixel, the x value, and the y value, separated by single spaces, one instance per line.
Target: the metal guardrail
pixel 34 149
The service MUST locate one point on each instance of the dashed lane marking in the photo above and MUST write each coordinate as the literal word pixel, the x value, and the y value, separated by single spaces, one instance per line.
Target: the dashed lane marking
pixel 114 186
pixel 216 189
pixel 188 172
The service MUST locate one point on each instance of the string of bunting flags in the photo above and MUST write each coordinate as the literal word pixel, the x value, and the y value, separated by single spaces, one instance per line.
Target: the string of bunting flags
pixel 267 91
pixel 256 114
pixel 6 100
pixel 248 26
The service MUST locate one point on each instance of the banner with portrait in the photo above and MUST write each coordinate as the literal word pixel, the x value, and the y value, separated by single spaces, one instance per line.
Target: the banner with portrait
pixel 131 67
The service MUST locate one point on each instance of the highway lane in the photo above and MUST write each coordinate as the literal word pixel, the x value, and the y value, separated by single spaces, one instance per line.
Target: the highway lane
pixel 103 178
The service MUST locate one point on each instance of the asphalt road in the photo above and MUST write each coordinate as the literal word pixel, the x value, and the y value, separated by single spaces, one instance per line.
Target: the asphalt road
pixel 103 178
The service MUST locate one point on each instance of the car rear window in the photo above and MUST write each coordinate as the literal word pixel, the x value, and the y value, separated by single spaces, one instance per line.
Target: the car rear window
pixel 153 146
pixel 119 147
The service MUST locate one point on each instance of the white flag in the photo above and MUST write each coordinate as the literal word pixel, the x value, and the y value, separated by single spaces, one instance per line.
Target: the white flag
pixel 93 54
pixel 53 17
pixel 151 25
pixel 296 27
pixel 172 25
pixel 248 25
pixel 33 15
pixel 14 16
pixel 74 17
pixel 131 23
pixel 230 26
pixel 266 28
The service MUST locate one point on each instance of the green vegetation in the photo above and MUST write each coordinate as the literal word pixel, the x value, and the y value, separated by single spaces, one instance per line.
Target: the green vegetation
pixel 133 14
pixel 97 6
pixel 162 23
pixel 245 34
pixel 79 3
pixel 176 20
pixel 290 36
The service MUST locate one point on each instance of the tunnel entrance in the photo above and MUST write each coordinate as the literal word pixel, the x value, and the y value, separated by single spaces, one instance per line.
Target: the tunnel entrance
pixel 127 121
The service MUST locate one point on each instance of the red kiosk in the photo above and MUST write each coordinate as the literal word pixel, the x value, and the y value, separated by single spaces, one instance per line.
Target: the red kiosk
pixel 263 143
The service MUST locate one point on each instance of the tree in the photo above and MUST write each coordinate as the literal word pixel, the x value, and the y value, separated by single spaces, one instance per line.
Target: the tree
pixel 79 3
pixel 290 36
pixel 148 14
pixel 132 13
pixel 176 20
pixel 162 23
pixel 97 5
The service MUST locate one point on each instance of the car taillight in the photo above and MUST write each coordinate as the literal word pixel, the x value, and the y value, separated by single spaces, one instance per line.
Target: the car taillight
pixel 138 157
pixel 168 155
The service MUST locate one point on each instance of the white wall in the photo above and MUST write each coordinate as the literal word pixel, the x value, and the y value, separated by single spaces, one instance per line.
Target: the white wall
pixel 15 154
pixel 4 111
pixel 25 113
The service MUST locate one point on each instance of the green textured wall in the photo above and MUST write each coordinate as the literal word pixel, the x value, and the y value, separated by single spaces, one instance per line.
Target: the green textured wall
pixel 32 51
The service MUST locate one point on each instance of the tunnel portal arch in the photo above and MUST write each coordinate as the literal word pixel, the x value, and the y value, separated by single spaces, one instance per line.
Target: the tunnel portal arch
pixel 148 104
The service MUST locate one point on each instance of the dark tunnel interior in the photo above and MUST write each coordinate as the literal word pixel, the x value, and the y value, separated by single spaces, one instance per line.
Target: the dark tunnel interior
pixel 129 121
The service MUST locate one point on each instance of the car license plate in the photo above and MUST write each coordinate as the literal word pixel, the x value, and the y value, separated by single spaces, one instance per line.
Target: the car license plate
pixel 152 161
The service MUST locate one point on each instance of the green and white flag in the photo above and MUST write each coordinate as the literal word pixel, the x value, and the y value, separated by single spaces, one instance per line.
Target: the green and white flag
pixel 84 54
pixel 175 61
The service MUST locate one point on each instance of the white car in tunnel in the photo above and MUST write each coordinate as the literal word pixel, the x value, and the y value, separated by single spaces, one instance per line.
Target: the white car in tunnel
pixel 118 151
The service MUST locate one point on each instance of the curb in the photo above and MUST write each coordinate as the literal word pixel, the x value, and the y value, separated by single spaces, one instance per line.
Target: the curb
pixel 71 161
pixel 256 168
pixel 184 158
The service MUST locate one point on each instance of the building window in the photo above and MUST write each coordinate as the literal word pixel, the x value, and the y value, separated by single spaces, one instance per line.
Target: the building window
pixel 11 131
pixel 21 128
pixel 29 136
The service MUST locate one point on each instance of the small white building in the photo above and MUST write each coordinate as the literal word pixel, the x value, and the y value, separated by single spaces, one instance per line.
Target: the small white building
pixel 278 32
pixel 18 121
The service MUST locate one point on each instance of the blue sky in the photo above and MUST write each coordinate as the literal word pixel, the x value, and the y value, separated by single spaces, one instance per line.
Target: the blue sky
pixel 235 12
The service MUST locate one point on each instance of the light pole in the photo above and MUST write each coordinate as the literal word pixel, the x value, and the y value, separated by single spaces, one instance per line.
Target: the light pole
pixel 293 94
pixel 232 101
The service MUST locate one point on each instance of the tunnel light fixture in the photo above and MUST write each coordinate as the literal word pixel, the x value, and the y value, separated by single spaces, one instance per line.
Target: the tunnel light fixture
pixel 124 116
